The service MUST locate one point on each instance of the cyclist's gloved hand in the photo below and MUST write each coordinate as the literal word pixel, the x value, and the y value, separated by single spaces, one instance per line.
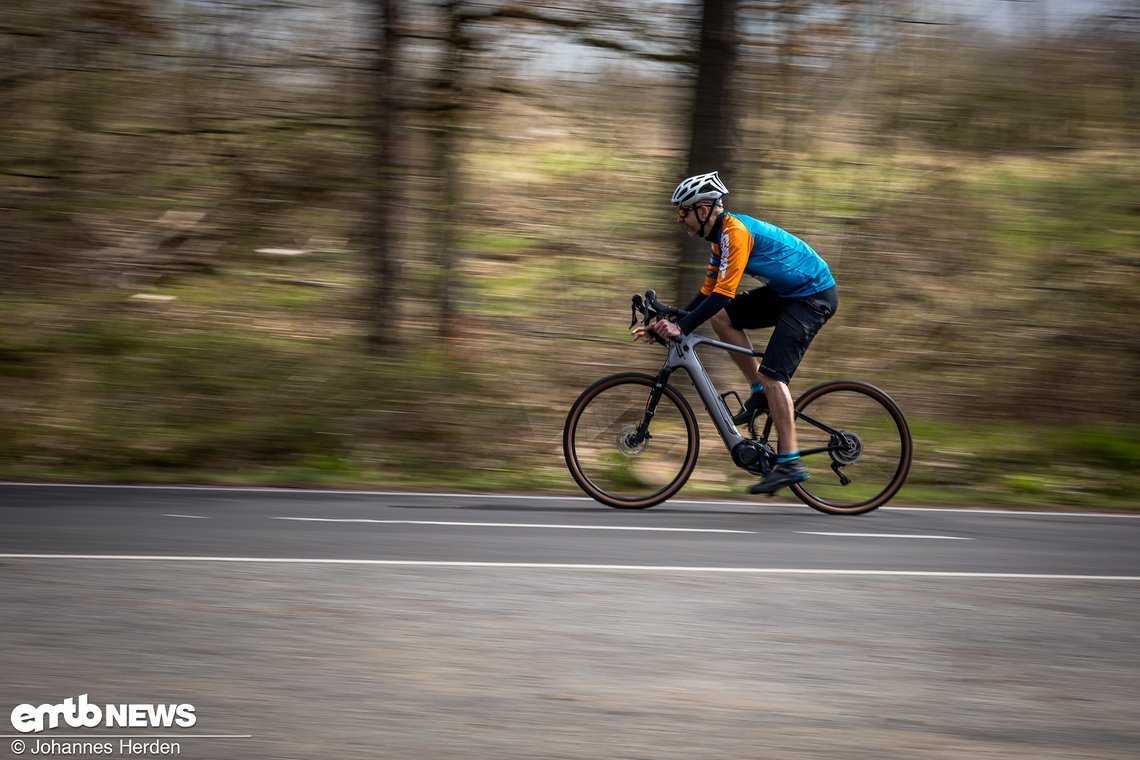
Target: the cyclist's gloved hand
pixel 661 328
pixel 665 329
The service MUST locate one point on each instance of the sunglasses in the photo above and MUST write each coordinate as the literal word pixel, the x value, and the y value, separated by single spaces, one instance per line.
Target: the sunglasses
pixel 683 211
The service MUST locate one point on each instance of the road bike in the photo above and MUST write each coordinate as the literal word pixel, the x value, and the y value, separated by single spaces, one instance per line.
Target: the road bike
pixel 631 440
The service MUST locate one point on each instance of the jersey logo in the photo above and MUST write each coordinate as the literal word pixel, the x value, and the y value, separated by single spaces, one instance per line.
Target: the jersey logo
pixel 723 253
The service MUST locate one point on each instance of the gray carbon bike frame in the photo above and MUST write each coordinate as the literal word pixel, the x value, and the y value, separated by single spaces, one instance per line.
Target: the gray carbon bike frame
pixel 683 355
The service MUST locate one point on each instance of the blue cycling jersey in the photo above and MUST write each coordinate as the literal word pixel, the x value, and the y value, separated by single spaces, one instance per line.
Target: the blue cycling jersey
pixel 777 258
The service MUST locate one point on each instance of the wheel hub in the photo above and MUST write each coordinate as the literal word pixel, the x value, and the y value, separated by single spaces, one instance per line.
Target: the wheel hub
pixel 627 442
pixel 846 448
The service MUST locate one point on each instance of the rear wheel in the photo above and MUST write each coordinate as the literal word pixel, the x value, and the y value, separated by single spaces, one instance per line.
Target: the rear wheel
pixel 605 456
pixel 857 444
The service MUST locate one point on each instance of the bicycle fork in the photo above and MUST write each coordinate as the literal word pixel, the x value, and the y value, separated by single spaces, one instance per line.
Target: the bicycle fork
pixel 642 433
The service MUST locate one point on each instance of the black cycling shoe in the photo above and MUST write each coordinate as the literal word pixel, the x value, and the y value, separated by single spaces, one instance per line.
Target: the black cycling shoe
pixel 755 404
pixel 783 474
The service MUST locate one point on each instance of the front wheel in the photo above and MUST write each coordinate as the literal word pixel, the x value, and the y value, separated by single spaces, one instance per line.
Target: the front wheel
pixel 610 461
pixel 857 444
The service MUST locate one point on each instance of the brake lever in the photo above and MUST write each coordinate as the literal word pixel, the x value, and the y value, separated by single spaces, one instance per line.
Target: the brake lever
pixel 651 310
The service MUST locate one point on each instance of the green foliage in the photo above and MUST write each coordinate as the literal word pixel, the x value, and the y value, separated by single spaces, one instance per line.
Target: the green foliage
pixel 1015 463
pixel 1112 446
pixel 499 242
pixel 121 390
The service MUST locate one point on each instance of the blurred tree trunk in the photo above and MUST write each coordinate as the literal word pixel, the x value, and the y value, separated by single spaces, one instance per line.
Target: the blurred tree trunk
pixel 383 258
pixel 713 126
pixel 62 66
pixel 448 109
pixel 790 18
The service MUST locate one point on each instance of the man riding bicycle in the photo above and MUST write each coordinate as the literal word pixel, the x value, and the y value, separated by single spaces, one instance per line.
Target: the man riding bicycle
pixel 798 298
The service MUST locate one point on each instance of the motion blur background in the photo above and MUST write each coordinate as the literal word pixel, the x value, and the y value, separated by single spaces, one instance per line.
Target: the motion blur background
pixel 350 243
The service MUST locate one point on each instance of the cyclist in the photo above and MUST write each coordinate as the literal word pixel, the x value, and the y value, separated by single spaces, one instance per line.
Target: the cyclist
pixel 798 298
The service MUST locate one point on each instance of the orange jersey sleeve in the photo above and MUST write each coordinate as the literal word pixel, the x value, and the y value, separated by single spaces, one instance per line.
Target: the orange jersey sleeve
pixel 729 257
pixel 709 284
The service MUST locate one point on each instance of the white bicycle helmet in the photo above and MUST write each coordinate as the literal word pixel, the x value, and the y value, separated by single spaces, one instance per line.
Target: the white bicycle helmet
pixel 702 187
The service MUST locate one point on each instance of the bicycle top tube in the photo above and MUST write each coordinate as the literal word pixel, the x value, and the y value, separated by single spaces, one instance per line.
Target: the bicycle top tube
pixel 699 340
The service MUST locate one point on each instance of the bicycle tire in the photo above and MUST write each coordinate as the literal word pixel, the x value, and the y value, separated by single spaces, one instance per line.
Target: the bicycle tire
pixel 877 441
pixel 592 442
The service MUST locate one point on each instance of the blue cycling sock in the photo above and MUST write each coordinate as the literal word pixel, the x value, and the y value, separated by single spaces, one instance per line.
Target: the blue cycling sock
pixel 757 386
pixel 789 456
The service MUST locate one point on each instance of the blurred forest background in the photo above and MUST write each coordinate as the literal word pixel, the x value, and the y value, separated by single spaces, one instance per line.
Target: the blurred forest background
pixel 339 242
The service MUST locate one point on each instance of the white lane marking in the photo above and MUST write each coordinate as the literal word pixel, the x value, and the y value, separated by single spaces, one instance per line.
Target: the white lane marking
pixel 189 517
pixel 571 566
pixel 883 535
pixel 508 525
pixel 430 495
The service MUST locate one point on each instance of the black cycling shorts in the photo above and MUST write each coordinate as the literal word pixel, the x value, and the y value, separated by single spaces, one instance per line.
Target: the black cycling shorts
pixel 796 321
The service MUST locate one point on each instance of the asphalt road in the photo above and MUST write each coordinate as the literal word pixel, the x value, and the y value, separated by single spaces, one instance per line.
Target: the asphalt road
pixel 577 531
pixel 312 624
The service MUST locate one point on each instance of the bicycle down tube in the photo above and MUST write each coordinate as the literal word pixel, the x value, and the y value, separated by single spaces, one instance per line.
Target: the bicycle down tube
pixel 683 355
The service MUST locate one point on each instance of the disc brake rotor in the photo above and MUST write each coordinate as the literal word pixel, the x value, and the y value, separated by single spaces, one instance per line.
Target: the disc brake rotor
pixel 626 443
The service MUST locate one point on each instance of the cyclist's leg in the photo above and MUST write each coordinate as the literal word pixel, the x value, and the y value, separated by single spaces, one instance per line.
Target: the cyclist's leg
pixel 748 311
pixel 749 365
pixel 799 321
